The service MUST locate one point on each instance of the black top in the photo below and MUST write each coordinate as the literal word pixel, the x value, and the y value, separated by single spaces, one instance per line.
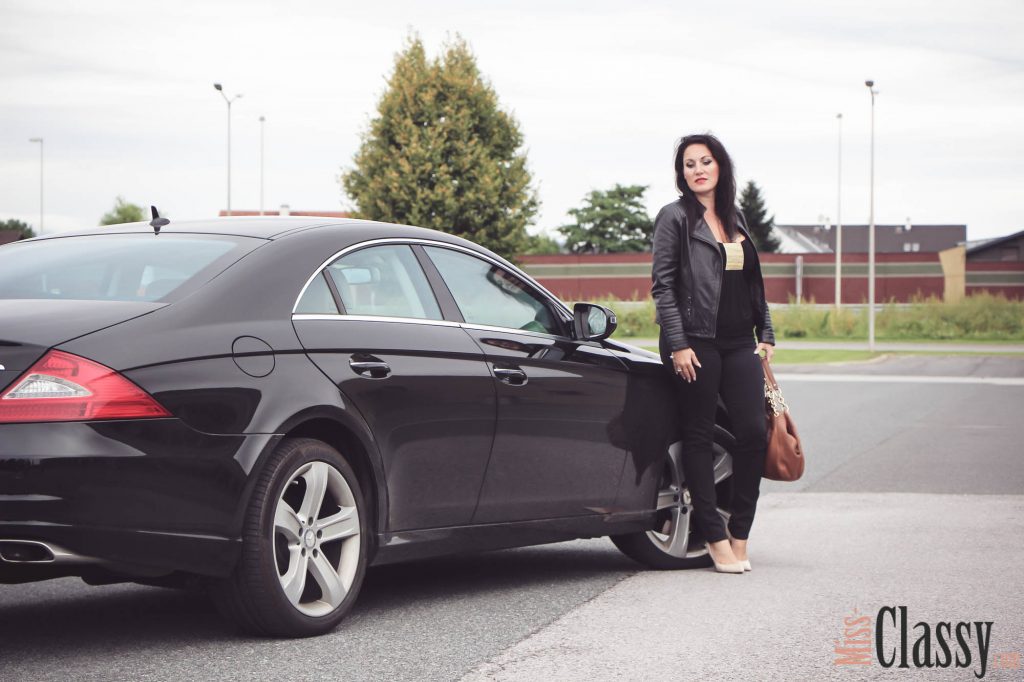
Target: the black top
pixel 735 311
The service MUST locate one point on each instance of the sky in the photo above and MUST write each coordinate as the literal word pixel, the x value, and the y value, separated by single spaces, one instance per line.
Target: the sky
pixel 122 94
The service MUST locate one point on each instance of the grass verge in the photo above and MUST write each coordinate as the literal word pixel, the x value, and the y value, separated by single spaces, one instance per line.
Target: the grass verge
pixel 979 318
pixel 797 356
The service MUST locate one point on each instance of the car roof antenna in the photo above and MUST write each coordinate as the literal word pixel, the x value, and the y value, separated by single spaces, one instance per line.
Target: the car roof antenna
pixel 157 221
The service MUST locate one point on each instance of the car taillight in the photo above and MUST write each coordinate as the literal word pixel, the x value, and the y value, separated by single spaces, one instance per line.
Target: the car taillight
pixel 65 387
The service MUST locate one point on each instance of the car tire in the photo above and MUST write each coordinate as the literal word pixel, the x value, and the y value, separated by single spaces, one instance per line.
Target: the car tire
pixel 304 545
pixel 675 543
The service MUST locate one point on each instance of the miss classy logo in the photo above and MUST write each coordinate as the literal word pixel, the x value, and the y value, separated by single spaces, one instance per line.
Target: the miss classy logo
pixel 941 645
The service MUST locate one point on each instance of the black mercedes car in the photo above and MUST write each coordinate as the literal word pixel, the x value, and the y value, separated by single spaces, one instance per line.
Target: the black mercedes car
pixel 271 405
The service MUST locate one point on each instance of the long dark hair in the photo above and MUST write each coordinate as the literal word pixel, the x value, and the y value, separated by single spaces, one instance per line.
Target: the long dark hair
pixel 725 190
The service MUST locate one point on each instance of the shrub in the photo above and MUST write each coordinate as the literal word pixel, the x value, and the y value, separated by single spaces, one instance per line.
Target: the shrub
pixel 636 318
pixel 983 316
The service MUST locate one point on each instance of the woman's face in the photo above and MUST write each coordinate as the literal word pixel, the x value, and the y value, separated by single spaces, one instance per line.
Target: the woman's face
pixel 700 170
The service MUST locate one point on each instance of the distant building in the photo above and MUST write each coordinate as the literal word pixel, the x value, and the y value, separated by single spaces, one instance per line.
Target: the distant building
pixel 888 238
pixel 996 265
pixel 1006 249
pixel 925 260
pixel 286 210
pixel 8 236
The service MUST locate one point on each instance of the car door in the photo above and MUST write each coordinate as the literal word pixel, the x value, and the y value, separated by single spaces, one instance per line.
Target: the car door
pixel 371 323
pixel 556 448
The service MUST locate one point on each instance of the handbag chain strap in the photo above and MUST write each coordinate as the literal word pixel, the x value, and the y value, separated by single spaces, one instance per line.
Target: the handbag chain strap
pixel 772 392
pixel 775 400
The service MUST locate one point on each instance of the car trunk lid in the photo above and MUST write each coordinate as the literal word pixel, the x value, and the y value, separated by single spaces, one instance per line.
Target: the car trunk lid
pixel 30 327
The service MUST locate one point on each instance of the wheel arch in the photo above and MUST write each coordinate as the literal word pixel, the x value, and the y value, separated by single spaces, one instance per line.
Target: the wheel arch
pixel 356 453
pixel 347 434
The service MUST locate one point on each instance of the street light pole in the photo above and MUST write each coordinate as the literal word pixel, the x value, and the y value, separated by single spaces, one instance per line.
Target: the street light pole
pixel 871 227
pixel 40 141
pixel 263 120
pixel 839 216
pixel 229 100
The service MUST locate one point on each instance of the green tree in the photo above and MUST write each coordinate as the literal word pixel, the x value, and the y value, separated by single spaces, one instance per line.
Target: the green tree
pixel 441 153
pixel 760 224
pixel 22 228
pixel 610 221
pixel 123 212
pixel 541 244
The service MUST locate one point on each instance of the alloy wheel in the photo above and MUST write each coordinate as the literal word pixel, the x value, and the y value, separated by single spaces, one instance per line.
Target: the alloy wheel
pixel 675 536
pixel 316 538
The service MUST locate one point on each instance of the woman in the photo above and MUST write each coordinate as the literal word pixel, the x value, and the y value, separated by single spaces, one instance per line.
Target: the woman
pixel 710 303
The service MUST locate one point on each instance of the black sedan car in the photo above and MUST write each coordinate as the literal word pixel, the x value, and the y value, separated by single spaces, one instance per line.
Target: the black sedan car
pixel 272 405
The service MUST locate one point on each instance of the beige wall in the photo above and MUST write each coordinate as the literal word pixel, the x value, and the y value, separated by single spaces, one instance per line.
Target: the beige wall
pixel 954 271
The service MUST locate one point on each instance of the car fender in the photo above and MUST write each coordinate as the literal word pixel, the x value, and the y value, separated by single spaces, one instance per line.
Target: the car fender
pixel 341 427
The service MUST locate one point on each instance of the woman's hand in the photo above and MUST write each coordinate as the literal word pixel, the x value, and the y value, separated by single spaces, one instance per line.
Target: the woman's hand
pixel 685 364
pixel 769 350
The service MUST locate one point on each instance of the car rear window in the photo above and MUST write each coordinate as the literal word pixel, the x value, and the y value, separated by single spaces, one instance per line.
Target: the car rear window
pixel 123 267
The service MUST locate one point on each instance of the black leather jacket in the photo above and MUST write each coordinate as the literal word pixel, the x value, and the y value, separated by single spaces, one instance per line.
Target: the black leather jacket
pixel 687 279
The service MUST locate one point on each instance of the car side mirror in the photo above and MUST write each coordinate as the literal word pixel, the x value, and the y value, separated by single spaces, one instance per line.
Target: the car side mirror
pixel 592 322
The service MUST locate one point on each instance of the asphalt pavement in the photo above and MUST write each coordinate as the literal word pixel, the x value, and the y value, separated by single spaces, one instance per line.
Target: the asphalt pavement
pixel 819 558
pixel 912 497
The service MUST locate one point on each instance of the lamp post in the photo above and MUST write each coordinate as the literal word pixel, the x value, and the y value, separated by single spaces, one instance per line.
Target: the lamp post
pixel 871 227
pixel 40 141
pixel 229 100
pixel 263 120
pixel 839 216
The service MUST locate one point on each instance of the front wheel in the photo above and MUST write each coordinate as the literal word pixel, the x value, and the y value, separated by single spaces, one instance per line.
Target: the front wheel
pixel 675 543
pixel 304 549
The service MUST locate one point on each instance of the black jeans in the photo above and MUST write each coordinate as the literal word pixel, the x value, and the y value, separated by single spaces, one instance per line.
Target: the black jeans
pixel 732 369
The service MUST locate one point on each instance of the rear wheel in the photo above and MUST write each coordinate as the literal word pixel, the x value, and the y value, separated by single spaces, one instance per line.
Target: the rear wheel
pixel 304 552
pixel 674 542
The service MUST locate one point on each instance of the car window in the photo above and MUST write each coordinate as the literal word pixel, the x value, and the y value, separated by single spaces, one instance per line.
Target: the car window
pixel 386 281
pixel 487 294
pixel 317 300
pixel 124 267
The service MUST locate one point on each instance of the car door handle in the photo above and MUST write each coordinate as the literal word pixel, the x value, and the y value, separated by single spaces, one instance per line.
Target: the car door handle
pixel 513 377
pixel 375 369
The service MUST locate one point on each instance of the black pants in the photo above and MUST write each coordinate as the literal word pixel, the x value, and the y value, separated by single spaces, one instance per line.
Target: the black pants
pixel 732 369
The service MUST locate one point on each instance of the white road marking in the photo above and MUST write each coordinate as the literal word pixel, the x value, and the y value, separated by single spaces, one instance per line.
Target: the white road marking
pixel 899 379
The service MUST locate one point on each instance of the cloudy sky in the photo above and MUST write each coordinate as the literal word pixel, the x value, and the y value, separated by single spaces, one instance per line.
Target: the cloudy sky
pixel 122 93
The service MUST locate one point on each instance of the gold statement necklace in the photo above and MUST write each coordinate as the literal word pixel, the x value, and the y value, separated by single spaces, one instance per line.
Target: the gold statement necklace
pixel 733 255
pixel 733 250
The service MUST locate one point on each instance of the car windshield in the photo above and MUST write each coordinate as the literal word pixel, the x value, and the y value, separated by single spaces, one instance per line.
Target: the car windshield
pixel 123 267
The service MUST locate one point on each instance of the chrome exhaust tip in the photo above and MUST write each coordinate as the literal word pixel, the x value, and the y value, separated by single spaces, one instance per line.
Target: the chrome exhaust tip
pixel 25 552
pixel 35 552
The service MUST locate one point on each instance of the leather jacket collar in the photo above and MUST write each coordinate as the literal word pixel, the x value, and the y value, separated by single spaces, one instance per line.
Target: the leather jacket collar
pixel 687 278
pixel 703 231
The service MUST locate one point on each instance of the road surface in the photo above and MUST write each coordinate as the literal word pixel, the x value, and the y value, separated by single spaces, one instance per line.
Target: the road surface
pixel 912 497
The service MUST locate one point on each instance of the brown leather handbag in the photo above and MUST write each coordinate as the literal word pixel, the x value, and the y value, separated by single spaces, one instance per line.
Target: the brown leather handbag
pixel 784 460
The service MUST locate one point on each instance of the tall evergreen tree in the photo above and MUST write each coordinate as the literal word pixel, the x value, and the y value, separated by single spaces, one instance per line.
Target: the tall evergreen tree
pixel 759 222
pixel 123 212
pixel 441 153
pixel 610 221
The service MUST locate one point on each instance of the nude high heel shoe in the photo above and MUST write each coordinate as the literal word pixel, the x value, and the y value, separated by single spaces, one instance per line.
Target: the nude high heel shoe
pixel 743 562
pixel 725 568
